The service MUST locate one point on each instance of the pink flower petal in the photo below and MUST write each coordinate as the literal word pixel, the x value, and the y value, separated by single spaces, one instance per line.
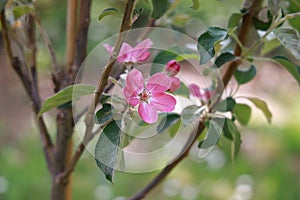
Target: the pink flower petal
pixel 125 53
pixel 108 48
pixel 163 102
pixel 195 90
pixel 175 84
pixel 131 97
pixel 140 51
pixel 158 83
pixel 143 57
pixel 147 112
pixel 145 44
pixel 134 84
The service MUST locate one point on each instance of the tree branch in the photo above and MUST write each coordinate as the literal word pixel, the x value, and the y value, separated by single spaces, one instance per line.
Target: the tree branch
pixel 246 25
pixel 102 82
pixel 31 89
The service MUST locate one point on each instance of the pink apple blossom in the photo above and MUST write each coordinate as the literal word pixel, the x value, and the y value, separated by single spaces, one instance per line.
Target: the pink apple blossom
pixel 150 97
pixel 129 54
pixel 203 94
pixel 172 68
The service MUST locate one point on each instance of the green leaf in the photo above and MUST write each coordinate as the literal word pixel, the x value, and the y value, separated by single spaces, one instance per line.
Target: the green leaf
pixel 225 105
pixel 183 91
pixel 2 4
pixel 290 39
pixel 159 8
pixel 168 120
pixel 294 6
pixel 106 150
pixel 107 12
pixel 274 6
pixel 226 130
pixel 242 113
pixel 207 41
pixel 269 46
pixel 262 105
pixel 243 77
pixel 104 114
pixel 213 133
pixel 236 144
pixel 174 128
pixel 291 67
pixel 19 11
pixel 224 58
pixel 104 98
pixel 196 4
pixel 163 57
pixel 234 20
pixel 189 114
pixel 261 25
pixel 66 95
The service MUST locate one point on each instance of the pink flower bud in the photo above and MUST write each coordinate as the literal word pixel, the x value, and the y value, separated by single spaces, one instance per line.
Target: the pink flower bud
pixel 173 67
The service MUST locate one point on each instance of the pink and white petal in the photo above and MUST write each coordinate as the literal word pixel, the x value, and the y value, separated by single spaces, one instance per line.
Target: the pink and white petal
pixel 108 48
pixel 159 83
pixel 144 45
pixel 134 82
pixel 195 90
pixel 143 57
pixel 147 112
pixel 131 97
pixel 125 53
pixel 163 102
pixel 175 85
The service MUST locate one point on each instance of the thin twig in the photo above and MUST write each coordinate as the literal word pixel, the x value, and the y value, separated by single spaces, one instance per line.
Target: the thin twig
pixel 246 24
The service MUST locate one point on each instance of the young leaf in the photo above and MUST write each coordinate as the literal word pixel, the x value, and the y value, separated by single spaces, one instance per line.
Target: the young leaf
pixel 225 105
pixel 2 4
pixel 106 150
pixel 169 120
pixel 290 39
pixel 242 113
pixel 262 105
pixel 224 58
pixel 234 20
pixel 104 114
pixel 243 77
pixel 291 67
pixel 207 41
pixel 189 114
pixel 19 11
pixel 66 95
pixel 107 12
pixel 213 133
pixel 236 143
pixel 159 8
pixel 196 4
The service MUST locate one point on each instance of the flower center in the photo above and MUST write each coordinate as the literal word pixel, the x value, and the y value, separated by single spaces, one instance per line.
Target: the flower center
pixel 145 95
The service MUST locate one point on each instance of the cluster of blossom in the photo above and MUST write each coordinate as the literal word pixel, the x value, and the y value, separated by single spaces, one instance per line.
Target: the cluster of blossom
pixel 152 96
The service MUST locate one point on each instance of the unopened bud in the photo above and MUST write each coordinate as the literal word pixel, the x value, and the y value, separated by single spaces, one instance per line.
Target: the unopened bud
pixel 172 68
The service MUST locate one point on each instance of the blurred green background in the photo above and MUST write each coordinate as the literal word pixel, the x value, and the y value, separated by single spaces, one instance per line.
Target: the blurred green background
pixel 268 166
